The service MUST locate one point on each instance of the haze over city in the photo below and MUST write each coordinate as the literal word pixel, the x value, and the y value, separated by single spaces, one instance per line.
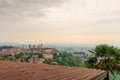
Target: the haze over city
pixel 60 21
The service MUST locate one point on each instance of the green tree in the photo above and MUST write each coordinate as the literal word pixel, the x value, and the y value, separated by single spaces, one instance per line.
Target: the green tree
pixel 21 56
pixel 5 47
pixel 1 57
pixel 106 58
pixel 68 59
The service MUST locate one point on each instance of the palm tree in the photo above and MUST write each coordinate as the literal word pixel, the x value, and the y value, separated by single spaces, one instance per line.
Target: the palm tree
pixel 106 58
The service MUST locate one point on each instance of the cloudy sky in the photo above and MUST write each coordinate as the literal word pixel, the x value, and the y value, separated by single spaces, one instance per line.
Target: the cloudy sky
pixel 60 21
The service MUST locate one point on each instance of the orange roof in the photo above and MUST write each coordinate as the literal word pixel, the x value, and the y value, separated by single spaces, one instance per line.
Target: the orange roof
pixel 11 51
pixel 29 71
pixel 53 49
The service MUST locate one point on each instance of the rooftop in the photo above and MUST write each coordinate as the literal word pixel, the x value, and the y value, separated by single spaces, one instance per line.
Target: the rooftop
pixel 29 71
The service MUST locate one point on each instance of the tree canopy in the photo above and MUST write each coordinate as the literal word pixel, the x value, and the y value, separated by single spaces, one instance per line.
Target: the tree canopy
pixel 106 58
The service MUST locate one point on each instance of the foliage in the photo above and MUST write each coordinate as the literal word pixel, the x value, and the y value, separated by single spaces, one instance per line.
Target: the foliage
pixel 17 56
pixel 6 47
pixel 90 63
pixel 67 59
pixel 40 55
pixel 1 57
pixel 117 77
pixel 106 58
pixel 22 56
pixel 9 57
pixel 48 61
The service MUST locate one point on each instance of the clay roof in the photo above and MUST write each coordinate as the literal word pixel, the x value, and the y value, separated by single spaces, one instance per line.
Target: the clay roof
pixel 11 51
pixel 48 54
pixel 53 49
pixel 29 71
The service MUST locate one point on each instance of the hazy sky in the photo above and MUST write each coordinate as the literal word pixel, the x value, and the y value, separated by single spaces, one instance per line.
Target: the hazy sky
pixel 60 21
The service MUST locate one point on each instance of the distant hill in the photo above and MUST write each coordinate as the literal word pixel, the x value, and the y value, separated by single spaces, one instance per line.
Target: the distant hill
pixel 5 47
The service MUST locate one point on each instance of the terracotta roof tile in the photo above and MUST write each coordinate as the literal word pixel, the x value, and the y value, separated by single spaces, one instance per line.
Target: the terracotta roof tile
pixel 29 71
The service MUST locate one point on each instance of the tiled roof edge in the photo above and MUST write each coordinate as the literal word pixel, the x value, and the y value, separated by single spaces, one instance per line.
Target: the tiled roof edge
pixel 101 76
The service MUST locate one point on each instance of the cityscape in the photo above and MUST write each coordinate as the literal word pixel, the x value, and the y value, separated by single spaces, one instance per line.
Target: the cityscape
pixel 59 40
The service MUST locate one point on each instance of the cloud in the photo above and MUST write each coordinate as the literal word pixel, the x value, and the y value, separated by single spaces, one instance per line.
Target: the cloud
pixel 71 20
pixel 15 9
